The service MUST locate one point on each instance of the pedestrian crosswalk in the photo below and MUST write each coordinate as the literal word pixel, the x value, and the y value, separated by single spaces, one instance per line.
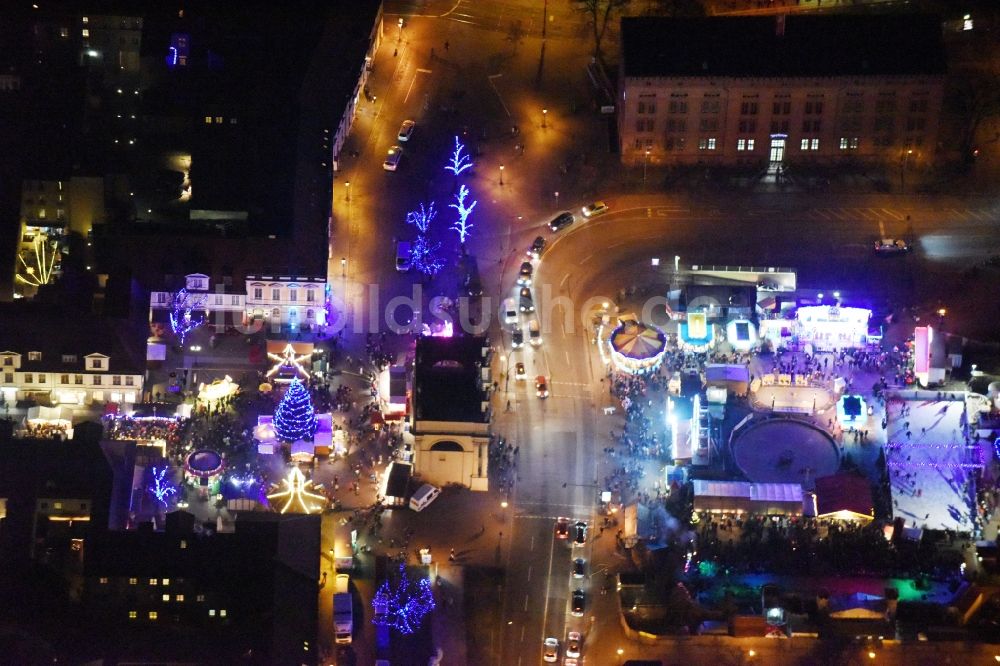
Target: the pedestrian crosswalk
pixel 875 214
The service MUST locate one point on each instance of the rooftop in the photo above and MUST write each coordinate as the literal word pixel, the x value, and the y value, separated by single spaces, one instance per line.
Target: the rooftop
pixel 796 46
pixel 447 379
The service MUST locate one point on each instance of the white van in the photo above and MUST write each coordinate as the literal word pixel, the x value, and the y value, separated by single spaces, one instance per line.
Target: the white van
pixel 403 256
pixel 425 495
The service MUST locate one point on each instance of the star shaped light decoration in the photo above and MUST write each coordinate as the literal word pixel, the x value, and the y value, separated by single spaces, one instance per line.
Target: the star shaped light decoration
pixel 295 493
pixel 288 359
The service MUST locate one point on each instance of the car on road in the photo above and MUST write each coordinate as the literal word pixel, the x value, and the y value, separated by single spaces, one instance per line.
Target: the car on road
pixel 527 303
pixel 541 386
pixel 403 258
pixel 472 285
pixel 509 312
pixel 595 209
pixel 524 275
pixel 550 650
pixel 579 567
pixel 517 339
pixel 561 221
pixel 579 601
pixel 519 373
pixel 537 247
pixel 562 528
pixel 406 130
pixel 579 533
pixel 573 642
pixel 534 333
pixel 570 661
pixel 891 246
pixel 392 158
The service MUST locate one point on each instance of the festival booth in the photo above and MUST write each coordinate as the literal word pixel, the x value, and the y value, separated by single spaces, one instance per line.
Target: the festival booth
pixel 680 415
pixel 832 328
pixel 396 483
pixel 733 378
pixel 741 334
pixel 205 467
pixel 392 393
pixel 49 423
pixel 844 497
pixel 210 395
pixel 744 497
pixel 928 353
pixel 637 348
pixel 779 333
pixel 695 333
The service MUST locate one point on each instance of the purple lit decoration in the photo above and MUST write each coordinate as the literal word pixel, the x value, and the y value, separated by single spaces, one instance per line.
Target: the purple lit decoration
pixel 403 607
pixel 294 419
pixel 424 256
pixel 459 161
pixel 162 488
pixel 422 218
pixel 181 320
pixel 462 227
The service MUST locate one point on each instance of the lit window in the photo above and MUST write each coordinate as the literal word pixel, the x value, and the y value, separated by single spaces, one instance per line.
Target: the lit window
pixel 218 119
pixel 166 597
pixel 222 613
pixel 854 143
pixel 208 120
pixel 103 580
pixel 711 144
pixel 153 615
pixel 34 356
pixel 85 32
pixel 86 19
pixel 152 581
pixel 132 615
pixel 133 581
pixel 750 144
pixel 814 144
pixel 184 544
pixel 741 144
pixel 805 144
pixel 843 143
pixel 211 612
pixel 166 581
pixel 200 597
pixel 179 597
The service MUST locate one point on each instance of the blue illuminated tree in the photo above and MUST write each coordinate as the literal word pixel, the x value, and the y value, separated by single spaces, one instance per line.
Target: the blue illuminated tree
pixel 294 419
pixel 424 255
pixel 422 218
pixel 161 487
pixel 404 605
pixel 462 226
pixel 182 321
pixel 459 161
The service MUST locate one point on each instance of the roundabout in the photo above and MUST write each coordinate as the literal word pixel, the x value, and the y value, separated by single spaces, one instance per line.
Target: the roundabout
pixel 784 450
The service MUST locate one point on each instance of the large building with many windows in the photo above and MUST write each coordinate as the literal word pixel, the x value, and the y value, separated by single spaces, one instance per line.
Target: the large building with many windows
pixel 784 89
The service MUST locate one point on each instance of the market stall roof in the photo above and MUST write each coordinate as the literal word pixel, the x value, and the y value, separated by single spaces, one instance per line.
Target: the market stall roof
pixel 638 341
pixel 844 496
pixel 398 482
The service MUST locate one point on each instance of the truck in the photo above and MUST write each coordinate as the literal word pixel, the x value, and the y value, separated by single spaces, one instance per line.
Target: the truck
pixel 343 610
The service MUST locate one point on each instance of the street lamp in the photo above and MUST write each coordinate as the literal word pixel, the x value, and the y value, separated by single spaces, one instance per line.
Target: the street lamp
pixel 620 653
pixel 347 185
pixel 501 175
pixel 400 38
pixel 545 113
pixel 343 266
pixel 645 162
pixel 904 162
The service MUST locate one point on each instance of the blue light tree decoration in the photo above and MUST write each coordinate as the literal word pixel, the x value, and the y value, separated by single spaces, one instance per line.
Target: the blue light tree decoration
pixel 404 605
pixel 462 226
pixel 181 320
pixel 459 161
pixel 294 419
pixel 162 488
pixel 424 256
pixel 422 218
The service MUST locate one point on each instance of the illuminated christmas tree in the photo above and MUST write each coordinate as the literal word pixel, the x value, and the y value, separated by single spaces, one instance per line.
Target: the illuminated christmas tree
pixel 403 606
pixel 294 419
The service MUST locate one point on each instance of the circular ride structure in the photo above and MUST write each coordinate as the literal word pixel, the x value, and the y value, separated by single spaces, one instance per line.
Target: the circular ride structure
pixel 637 348
pixel 785 450
pixel 204 463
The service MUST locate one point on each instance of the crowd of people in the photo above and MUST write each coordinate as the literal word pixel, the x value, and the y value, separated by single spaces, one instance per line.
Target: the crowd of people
pixel 170 430
pixel 36 430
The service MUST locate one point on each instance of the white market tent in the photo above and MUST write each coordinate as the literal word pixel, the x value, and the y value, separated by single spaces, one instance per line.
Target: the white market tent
pixel 744 497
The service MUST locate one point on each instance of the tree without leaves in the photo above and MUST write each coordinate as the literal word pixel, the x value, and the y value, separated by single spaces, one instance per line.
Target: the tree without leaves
pixel 424 256
pixel 462 226
pixel 422 218
pixel 181 320
pixel 599 12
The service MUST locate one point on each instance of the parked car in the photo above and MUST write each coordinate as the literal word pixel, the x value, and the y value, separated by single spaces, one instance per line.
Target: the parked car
pixel 392 158
pixel 595 209
pixel 891 246
pixel 578 603
pixel 537 247
pixel 509 312
pixel 561 221
pixel 406 130
pixel 579 533
pixel 579 567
